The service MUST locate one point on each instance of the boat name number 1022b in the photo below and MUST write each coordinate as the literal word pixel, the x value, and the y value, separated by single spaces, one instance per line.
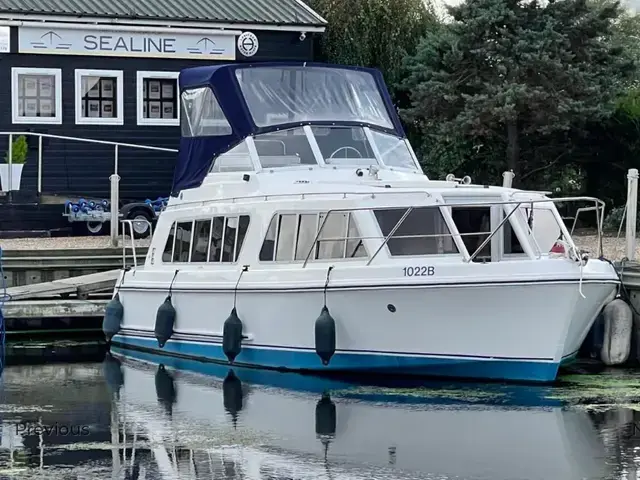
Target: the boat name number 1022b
pixel 421 271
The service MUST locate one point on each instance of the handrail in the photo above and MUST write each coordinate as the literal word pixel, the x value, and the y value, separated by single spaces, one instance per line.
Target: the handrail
pixel 114 178
pixel 133 240
pixel 302 196
pixel 439 204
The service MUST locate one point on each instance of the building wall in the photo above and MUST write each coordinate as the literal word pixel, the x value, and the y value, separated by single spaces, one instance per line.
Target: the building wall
pixel 71 168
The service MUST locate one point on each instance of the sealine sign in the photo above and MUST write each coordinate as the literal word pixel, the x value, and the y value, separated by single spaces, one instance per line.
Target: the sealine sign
pixel 125 44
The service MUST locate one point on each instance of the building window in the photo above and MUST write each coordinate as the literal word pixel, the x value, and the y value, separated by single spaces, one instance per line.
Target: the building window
pixel 99 97
pixel 36 95
pixel 157 98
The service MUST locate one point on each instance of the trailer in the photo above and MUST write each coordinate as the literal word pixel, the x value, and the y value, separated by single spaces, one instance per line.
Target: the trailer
pixel 95 214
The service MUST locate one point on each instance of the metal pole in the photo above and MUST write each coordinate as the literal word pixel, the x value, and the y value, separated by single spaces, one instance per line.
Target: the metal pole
pixel 10 162
pixel 632 212
pixel 507 179
pixel 115 211
pixel 115 200
pixel 40 165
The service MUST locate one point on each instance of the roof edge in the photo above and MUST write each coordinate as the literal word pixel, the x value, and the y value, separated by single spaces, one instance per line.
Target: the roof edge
pixel 45 17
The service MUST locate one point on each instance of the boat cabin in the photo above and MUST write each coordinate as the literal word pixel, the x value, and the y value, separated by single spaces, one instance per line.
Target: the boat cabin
pixel 287 163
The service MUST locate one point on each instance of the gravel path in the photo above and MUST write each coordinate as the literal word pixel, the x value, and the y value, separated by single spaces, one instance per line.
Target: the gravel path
pixel 613 248
pixel 65 243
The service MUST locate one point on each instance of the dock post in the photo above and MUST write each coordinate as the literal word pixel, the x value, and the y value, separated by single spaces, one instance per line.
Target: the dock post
pixel 507 179
pixel 632 212
pixel 115 210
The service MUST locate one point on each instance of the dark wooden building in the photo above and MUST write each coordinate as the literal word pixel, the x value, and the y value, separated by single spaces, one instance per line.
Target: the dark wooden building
pixel 108 71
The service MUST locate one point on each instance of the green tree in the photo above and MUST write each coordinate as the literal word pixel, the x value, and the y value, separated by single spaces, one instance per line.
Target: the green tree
pixel 373 33
pixel 517 76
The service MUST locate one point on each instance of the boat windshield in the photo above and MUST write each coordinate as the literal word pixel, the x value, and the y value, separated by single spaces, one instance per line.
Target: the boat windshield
pixel 292 94
pixel 333 146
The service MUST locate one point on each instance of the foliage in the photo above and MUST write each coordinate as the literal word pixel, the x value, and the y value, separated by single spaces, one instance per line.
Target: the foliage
pixel 373 33
pixel 19 151
pixel 520 77
pixel 614 219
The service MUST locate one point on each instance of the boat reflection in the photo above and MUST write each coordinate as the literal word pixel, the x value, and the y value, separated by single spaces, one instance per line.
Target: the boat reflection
pixel 258 424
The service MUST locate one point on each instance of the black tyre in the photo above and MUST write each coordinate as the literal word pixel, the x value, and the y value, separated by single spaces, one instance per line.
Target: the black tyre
pixel 95 228
pixel 141 223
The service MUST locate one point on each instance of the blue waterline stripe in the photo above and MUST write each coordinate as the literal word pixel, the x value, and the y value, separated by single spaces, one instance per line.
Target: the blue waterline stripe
pixel 308 361
pixel 124 287
pixel 217 340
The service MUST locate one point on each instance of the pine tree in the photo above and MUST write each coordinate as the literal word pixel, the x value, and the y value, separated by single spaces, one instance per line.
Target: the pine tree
pixel 509 70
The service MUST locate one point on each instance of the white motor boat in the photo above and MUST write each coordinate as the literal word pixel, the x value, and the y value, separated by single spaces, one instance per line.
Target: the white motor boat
pixel 281 425
pixel 303 235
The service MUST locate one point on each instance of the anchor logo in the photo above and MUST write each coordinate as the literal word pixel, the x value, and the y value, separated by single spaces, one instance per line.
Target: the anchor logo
pixel 53 40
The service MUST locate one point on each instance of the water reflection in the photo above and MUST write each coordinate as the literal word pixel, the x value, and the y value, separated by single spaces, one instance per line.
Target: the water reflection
pixel 150 417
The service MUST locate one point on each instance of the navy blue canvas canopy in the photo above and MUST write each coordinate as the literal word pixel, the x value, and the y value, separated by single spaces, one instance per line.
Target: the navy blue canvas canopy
pixel 222 105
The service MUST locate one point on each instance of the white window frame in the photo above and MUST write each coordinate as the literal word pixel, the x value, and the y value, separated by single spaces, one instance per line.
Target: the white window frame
pixel 141 120
pixel 119 76
pixel 54 72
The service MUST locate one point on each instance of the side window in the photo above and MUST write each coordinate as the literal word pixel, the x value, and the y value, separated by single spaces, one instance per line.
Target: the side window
pixel 292 237
pixel 423 231
pixel 268 245
pixel 183 242
pixel 168 248
pixel 243 226
pixel 331 241
pixel 307 229
pixel 200 241
pixel 511 242
pixel 474 225
pixel 355 244
pixel 286 237
pixel 217 231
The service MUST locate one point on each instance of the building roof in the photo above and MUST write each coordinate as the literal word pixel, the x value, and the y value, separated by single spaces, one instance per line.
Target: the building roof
pixel 268 12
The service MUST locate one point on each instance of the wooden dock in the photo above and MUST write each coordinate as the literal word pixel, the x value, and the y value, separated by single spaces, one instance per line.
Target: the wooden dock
pixel 54 308
pixel 80 286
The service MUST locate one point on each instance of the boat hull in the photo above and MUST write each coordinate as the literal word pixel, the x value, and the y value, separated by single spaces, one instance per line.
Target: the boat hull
pixel 457 331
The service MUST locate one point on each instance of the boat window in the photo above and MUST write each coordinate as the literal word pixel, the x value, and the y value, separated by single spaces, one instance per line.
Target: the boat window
pixel 183 242
pixel 423 231
pixel 284 148
pixel 201 115
pixel 167 255
pixel 227 237
pixel 286 237
pixel 393 151
pixel 200 241
pixel 268 245
pixel 238 159
pixel 217 231
pixel 303 94
pixel 243 226
pixel 344 146
pixel 474 226
pixel 511 243
pixel 232 229
pixel 293 236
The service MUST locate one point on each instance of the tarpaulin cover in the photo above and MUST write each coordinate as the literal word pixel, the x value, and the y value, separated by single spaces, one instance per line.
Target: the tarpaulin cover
pixel 251 99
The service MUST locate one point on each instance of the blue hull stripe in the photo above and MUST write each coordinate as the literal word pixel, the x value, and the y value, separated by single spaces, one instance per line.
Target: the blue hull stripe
pixel 307 360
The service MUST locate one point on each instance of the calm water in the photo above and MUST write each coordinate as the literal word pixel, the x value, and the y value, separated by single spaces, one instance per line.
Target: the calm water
pixel 128 418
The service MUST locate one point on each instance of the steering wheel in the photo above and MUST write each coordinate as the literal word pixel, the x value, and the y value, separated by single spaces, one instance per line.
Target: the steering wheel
pixel 347 148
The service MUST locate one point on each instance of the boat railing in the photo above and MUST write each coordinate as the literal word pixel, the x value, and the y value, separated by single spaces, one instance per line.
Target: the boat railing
pixel 573 250
pixel 130 223
pixel 113 178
